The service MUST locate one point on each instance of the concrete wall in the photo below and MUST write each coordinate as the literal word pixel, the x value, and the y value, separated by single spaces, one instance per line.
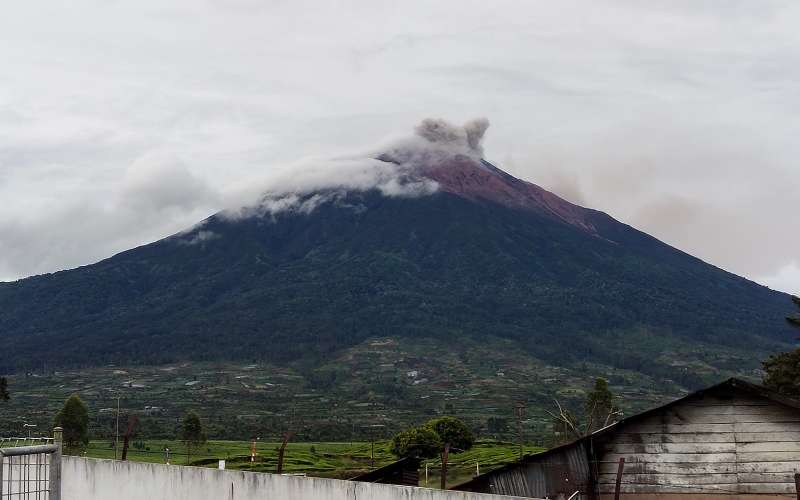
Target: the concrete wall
pixel 92 479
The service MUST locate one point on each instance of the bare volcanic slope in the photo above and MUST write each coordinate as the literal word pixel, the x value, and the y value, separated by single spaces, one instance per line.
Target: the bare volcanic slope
pixel 423 239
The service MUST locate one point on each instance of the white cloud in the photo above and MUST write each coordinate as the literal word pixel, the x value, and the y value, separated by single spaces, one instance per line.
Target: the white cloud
pixel 390 169
pixel 83 222
pixel 160 181
pixel 679 117
pixel 787 279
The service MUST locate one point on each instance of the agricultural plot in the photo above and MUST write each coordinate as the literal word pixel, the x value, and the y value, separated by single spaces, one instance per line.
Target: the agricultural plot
pixel 320 459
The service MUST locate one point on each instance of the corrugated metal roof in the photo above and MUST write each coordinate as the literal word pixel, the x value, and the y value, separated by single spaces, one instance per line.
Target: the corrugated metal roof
pixel 563 472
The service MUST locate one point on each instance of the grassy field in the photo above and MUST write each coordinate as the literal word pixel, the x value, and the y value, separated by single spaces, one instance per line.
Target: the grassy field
pixel 322 459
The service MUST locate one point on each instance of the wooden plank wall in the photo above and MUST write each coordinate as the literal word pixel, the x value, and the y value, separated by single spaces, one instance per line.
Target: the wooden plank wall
pixel 740 446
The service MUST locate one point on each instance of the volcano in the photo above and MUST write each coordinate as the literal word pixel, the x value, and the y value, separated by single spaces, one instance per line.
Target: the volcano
pixel 439 244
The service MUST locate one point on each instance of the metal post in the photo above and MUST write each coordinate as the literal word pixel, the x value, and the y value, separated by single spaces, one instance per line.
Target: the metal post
pixel 2 459
pixel 116 435
pixel 55 465
pixel 796 483
pixel 445 458
pixel 619 478
pixel 520 406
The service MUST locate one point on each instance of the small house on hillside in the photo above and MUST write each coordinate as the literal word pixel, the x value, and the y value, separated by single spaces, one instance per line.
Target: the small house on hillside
pixel 732 440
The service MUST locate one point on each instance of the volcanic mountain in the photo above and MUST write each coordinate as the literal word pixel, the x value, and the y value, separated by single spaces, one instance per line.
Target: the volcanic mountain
pixel 436 244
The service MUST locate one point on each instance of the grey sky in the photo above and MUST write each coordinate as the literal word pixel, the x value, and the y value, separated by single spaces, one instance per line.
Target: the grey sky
pixel 123 122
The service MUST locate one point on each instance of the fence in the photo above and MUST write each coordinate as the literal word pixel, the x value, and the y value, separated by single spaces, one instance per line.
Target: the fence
pixel 31 471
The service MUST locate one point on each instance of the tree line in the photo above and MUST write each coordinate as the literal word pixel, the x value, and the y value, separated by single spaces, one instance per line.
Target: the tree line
pixel 73 419
pixel 782 371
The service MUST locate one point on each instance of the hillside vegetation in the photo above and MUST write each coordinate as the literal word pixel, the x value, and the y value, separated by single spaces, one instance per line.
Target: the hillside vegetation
pixel 302 287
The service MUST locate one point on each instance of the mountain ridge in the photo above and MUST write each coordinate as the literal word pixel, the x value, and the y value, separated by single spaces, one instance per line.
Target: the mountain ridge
pixel 441 256
pixel 423 240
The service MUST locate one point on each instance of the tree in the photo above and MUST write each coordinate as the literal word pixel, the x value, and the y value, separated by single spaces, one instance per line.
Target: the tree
pixel 192 433
pixel 419 442
pixel 600 407
pixel 452 431
pixel 4 395
pixel 497 426
pixel 455 435
pixel 782 370
pixel 599 410
pixel 436 437
pixel 74 420
pixel 794 320
pixel 566 426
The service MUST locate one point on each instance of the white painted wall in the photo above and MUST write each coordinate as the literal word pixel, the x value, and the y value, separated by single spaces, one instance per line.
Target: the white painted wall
pixel 92 479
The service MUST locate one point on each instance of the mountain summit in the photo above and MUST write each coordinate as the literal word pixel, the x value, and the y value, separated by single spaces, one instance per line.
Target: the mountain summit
pixel 423 240
pixel 479 180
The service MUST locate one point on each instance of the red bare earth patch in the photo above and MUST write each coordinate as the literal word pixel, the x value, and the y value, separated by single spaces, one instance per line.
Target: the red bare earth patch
pixel 479 180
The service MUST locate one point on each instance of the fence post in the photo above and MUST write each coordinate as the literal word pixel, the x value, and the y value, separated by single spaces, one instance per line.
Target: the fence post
pixel 55 465
pixel 796 483
pixel 445 458
pixel 619 478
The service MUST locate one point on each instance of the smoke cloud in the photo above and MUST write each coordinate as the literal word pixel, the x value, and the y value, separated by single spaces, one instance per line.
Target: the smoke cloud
pixel 441 133
pixel 392 169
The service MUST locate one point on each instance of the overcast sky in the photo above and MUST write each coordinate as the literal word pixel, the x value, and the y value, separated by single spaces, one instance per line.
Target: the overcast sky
pixel 123 122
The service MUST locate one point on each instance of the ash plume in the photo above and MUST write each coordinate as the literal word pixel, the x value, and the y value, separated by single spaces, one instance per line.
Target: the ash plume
pixel 467 138
pixel 392 170
pixel 435 140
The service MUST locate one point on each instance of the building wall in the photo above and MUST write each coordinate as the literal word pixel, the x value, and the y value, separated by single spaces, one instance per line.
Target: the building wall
pixel 92 479
pixel 720 445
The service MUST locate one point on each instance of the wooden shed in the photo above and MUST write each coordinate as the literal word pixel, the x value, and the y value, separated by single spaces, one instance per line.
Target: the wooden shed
pixel 732 440
pixel 404 472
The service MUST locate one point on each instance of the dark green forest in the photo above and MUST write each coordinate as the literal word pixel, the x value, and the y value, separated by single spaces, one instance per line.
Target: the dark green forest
pixel 298 288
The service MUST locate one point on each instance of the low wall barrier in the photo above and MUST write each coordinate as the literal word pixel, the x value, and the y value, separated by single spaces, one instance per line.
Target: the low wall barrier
pixel 93 479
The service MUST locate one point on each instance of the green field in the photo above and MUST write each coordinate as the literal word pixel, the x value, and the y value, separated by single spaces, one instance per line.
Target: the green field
pixel 321 459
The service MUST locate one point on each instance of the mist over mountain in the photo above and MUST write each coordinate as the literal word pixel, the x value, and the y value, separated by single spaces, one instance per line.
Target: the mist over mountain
pixel 421 239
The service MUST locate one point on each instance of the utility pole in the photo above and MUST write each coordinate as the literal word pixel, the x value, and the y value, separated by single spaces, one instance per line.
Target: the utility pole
pixel 282 451
pixel 520 407
pixel 372 449
pixel 116 436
